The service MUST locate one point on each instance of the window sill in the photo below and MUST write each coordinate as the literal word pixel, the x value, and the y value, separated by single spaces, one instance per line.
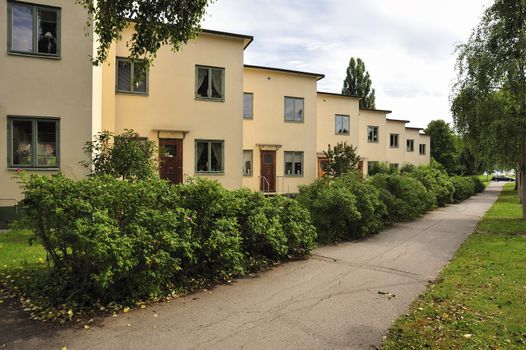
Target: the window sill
pixel 210 99
pixel 342 134
pixel 208 173
pixel 16 169
pixel 295 121
pixel 34 55
pixel 394 147
pixel 287 175
pixel 129 93
pixel 373 141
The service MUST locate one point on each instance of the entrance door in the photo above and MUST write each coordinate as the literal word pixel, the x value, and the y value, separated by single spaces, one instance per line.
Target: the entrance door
pixel 268 171
pixel 171 167
pixel 321 162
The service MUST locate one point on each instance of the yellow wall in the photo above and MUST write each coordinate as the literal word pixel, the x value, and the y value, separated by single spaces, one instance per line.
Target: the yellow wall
pixel 171 103
pixel 413 157
pixel 395 155
pixel 48 87
pixel 372 151
pixel 327 107
pixel 268 125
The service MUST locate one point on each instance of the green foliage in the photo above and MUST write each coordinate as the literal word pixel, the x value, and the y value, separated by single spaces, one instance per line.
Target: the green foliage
pixel 443 145
pixel 340 160
pixel 464 188
pixel 109 240
pixel 358 83
pixel 124 156
pixel 382 168
pixel 156 23
pixel 404 196
pixel 407 168
pixel 437 182
pixel 479 185
pixel 343 208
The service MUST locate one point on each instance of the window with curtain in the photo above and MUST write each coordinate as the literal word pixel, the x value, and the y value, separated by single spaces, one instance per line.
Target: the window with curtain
pixel 372 134
pixel 393 142
pixel 410 145
pixel 33 29
pixel 342 124
pixel 248 105
pixel 33 142
pixel 247 162
pixel 294 109
pixel 293 163
pixel 210 83
pixel 422 149
pixel 209 156
pixel 130 77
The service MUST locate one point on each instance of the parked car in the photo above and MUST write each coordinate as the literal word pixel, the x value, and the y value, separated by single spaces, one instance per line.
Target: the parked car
pixel 502 178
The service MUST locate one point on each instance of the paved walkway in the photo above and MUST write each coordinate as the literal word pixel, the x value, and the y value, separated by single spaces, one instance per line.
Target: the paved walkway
pixel 344 297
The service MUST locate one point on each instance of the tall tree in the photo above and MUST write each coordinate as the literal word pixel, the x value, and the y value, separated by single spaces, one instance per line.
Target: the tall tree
pixel 157 23
pixel 443 148
pixel 358 83
pixel 489 97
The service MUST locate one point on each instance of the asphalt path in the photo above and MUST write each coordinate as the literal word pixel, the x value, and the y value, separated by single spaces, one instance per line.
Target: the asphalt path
pixel 343 297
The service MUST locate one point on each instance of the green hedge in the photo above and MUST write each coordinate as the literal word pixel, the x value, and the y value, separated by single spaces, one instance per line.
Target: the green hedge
pixel 464 188
pixel 118 241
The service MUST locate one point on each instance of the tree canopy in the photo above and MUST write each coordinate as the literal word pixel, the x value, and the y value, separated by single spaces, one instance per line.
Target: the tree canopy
pixel 340 160
pixel 358 83
pixel 443 147
pixel 489 96
pixel 157 23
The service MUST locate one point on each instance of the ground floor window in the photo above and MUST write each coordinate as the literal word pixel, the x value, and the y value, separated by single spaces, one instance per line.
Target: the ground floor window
pixel 394 166
pixel 371 165
pixel 247 162
pixel 293 163
pixel 209 156
pixel 33 142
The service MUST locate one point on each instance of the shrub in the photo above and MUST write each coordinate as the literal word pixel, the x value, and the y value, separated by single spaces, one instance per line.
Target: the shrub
pixel 479 185
pixel 437 182
pixel 464 188
pixel 404 196
pixel 340 160
pixel 343 208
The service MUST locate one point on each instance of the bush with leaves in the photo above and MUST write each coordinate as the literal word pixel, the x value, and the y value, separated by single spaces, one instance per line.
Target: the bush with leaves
pixel 479 185
pixel 343 208
pixel 124 156
pixel 404 196
pixel 464 188
pixel 340 160
pixel 436 181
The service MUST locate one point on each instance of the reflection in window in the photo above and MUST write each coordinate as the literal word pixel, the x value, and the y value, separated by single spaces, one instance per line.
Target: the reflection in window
pixel 247 162
pixel 131 76
pixel 33 142
pixel 342 124
pixel 294 109
pixel 372 134
pixel 209 156
pixel 293 163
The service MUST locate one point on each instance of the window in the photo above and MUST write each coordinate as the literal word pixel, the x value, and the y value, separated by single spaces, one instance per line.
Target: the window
pixel 33 142
pixel 247 162
pixel 394 141
pixel 248 105
pixel 209 156
pixel 371 166
pixel 372 134
pixel 410 145
pixel 294 109
pixel 394 166
pixel 293 163
pixel 422 149
pixel 209 83
pixel 33 29
pixel 130 77
pixel 342 124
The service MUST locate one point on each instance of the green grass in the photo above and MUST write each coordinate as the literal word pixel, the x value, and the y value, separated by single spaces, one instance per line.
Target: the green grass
pixel 15 251
pixel 479 301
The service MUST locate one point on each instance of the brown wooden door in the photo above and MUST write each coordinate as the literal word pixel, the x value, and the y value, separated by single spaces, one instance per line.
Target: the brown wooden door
pixel 321 162
pixel 268 171
pixel 171 167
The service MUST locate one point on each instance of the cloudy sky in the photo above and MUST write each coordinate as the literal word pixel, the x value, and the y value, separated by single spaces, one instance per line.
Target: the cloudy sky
pixel 407 45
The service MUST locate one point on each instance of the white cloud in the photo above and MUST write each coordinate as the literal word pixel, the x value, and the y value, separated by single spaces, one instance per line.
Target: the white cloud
pixel 407 45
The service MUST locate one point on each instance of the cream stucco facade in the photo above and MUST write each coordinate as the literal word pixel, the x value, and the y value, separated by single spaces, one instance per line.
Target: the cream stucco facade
pixel 190 102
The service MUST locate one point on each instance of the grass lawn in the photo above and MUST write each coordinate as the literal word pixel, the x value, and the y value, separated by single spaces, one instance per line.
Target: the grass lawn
pixel 479 301
pixel 15 251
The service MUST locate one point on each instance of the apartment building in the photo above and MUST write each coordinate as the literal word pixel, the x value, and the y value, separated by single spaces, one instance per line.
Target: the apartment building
pixel 259 127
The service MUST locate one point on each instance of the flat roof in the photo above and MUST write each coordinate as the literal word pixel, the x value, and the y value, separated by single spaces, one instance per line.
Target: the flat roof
pixel 339 95
pixel 247 38
pixel 398 120
pixel 376 110
pixel 414 128
pixel 317 75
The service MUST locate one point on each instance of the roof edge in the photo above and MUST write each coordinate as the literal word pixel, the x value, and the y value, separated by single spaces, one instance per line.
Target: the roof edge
pixel 248 39
pixel 376 110
pixel 398 120
pixel 317 75
pixel 339 95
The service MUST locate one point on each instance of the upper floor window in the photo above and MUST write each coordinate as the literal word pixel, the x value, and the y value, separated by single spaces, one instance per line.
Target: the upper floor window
pixel 410 145
pixel 210 83
pixel 209 156
pixel 393 142
pixel 342 124
pixel 372 134
pixel 422 148
pixel 33 29
pixel 33 142
pixel 131 76
pixel 294 109
pixel 248 105
pixel 293 163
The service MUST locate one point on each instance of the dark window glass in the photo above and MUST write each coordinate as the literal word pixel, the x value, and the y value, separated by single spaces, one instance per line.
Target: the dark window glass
pixel 33 143
pixel 22 142
pixel 47 31
pixel 124 75
pixel 210 82
pixel 293 163
pixel 342 124
pixel 209 156
pixel 46 143
pixel 131 77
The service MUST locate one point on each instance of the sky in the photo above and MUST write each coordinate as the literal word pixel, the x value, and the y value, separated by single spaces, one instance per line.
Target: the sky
pixel 408 46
